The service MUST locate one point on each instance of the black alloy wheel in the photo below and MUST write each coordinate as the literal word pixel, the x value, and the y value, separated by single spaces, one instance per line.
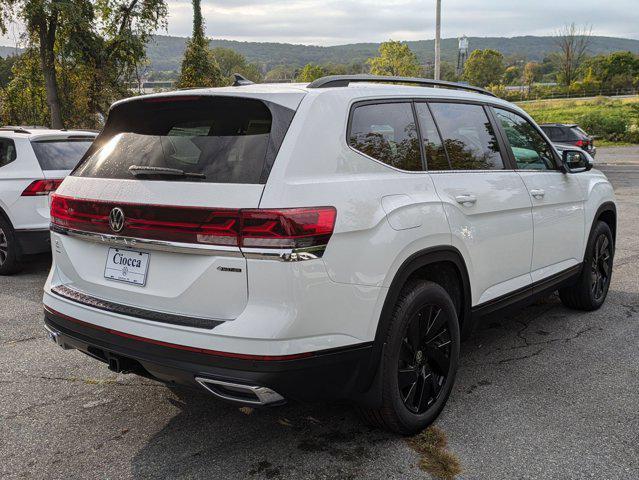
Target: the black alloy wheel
pixel 424 359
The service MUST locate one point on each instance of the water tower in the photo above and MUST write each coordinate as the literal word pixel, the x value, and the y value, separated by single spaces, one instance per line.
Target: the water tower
pixel 462 54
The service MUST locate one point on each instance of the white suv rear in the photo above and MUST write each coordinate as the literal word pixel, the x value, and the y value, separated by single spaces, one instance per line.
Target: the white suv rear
pixel 322 241
pixel 33 162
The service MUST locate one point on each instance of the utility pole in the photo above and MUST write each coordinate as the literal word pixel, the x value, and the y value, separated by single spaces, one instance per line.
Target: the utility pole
pixel 438 39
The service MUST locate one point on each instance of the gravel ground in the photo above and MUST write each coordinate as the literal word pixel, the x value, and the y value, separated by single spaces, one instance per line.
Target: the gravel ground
pixel 544 393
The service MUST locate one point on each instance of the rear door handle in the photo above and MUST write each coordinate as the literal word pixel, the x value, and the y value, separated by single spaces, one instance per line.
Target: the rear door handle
pixel 538 193
pixel 466 200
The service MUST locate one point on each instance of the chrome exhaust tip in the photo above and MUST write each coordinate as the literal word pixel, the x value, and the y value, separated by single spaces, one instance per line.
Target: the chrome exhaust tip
pixel 236 392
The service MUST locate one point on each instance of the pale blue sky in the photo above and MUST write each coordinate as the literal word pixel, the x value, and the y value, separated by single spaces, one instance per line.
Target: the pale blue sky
pixel 330 22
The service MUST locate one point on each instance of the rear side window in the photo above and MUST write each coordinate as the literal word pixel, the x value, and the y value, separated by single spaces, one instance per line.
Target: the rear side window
pixel 530 149
pixel 60 154
pixel 468 135
pixel 387 132
pixel 205 139
pixel 7 151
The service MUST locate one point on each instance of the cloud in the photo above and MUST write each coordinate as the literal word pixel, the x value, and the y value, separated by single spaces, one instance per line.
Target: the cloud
pixel 332 22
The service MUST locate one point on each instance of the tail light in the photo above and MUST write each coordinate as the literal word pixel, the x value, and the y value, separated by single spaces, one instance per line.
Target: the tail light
pixel 41 187
pixel 287 228
pixel 582 143
pixel 264 228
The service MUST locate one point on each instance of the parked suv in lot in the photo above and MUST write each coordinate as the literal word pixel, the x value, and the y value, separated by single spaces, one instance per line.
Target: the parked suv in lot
pixel 570 135
pixel 33 162
pixel 325 241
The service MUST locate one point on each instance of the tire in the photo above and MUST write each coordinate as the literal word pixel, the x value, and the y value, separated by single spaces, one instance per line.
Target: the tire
pixel 590 290
pixel 422 345
pixel 9 249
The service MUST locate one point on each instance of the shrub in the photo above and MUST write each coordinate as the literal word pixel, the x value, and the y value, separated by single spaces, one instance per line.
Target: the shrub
pixel 609 125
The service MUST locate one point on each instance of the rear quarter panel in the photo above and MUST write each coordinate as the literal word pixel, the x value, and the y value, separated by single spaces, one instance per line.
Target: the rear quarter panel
pixel 23 212
pixel 383 215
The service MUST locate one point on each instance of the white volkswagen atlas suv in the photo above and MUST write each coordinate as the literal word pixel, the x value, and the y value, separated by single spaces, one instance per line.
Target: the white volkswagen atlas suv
pixel 324 241
pixel 33 162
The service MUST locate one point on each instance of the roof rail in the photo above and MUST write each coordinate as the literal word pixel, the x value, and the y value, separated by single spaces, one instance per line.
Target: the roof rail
pixel 21 129
pixel 345 80
pixel 10 128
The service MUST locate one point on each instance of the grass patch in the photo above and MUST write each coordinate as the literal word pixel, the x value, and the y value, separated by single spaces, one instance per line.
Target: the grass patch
pixel 435 459
pixel 612 121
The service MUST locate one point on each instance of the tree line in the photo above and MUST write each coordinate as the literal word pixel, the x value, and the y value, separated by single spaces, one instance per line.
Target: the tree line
pixel 82 55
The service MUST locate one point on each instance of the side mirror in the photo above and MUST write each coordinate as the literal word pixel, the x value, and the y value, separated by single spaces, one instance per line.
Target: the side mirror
pixel 576 161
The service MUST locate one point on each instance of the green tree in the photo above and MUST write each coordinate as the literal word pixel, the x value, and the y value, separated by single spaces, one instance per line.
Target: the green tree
pixel 280 73
pixel 512 75
pixel 104 39
pixel 310 72
pixel 199 67
pixel 231 62
pixel 395 59
pixel 6 64
pixel 484 67
pixel 532 73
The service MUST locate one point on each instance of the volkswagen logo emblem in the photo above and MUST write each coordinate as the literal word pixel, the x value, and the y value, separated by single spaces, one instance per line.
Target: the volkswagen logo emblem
pixel 116 219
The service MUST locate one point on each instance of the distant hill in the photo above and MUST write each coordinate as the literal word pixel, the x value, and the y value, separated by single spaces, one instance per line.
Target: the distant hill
pixel 7 51
pixel 165 52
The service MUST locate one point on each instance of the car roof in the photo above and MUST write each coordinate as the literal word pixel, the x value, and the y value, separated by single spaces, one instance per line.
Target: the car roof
pixel 290 94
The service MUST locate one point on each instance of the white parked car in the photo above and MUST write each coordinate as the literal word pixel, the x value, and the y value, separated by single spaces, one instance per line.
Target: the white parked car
pixel 331 240
pixel 33 162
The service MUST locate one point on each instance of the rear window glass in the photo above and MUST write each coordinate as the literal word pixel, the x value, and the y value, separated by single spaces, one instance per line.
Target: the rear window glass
pixel 7 151
pixel 205 139
pixel 60 154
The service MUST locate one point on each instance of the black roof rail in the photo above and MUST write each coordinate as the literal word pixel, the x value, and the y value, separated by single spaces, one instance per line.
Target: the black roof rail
pixel 345 80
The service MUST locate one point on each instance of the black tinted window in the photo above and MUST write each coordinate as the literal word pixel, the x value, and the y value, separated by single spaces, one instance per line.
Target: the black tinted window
pixel 7 151
pixel 217 139
pixel 553 133
pixel 436 158
pixel 387 132
pixel 469 138
pixel 60 154
pixel 529 148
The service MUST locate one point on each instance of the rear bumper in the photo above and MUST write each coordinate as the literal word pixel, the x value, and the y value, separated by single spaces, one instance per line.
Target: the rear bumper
pixel 325 375
pixel 34 241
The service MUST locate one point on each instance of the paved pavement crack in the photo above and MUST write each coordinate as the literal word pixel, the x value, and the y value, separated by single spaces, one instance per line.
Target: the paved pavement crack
pixel 523 357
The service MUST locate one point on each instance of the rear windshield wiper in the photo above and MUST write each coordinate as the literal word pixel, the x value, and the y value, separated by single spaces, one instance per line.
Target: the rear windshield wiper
pixel 142 171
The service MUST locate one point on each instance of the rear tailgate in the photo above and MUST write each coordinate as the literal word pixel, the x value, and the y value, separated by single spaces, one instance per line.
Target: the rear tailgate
pixel 148 219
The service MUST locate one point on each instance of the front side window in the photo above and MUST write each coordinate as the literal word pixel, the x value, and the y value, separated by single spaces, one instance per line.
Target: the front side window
pixel 469 138
pixel 436 158
pixel 386 132
pixel 7 151
pixel 529 148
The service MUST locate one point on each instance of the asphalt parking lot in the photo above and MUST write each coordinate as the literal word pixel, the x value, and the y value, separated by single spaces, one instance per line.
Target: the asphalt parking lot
pixel 545 393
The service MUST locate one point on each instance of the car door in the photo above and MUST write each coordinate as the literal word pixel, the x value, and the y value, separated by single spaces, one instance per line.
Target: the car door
pixel 486 203
pixel 557 198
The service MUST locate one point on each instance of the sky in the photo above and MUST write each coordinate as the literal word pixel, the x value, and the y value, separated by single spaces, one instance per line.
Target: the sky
pixel 334 22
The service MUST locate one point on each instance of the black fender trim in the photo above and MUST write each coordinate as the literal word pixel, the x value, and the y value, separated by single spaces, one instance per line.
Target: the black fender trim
pixel 605 207
pixel 371 382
